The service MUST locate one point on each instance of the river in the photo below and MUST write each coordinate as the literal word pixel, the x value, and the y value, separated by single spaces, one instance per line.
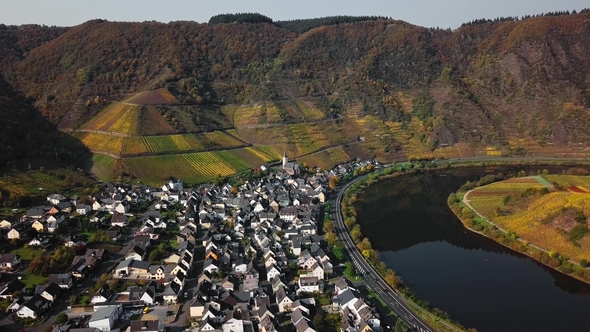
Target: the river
pixel 478 282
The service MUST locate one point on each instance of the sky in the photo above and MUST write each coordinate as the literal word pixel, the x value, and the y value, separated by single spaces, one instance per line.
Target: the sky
pixel 427 13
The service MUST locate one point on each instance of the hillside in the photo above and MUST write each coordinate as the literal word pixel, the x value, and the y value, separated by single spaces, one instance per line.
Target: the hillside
pixel 323 90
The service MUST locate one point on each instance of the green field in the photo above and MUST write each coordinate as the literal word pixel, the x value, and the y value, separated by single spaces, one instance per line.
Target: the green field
pixel 28 254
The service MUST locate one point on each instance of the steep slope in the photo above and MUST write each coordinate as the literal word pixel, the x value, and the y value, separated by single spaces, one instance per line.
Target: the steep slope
pixel 107 59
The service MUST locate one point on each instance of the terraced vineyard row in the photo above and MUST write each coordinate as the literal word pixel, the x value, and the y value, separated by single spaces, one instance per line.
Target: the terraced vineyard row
pixel 116 117
pixel 326 159
pixel 105 143
pixel 197 167
pixel 178 143
pixel 311 111
pixel 208 164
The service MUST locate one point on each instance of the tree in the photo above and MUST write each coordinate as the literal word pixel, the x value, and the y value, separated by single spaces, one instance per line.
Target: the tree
pixel 333 182
pixel 331 238
pixel 61 318
pixel 318 321
pixel 356 234
pixel 156 255
pixel 391 279
pixel 328 226
pixel 583 262
pixel 365 244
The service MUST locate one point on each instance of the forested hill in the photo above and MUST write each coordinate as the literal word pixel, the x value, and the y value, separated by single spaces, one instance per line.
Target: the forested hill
pixel 501 84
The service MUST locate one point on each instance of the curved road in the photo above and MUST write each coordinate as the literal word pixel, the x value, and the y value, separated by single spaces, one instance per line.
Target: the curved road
pixel 371 278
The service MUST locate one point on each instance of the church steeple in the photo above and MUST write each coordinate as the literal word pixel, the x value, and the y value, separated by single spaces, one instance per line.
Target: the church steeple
pixel 285 159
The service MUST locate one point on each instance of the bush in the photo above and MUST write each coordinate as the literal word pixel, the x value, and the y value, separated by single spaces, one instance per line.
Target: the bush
pixel 583 262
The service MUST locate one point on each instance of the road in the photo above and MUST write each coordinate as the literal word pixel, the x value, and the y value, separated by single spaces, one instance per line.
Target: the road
pixel 372 279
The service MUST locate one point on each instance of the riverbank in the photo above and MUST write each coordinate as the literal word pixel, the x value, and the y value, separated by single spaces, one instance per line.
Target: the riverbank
pixel 477 222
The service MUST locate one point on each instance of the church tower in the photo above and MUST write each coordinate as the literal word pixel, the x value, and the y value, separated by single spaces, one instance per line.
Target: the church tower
pixel 285 159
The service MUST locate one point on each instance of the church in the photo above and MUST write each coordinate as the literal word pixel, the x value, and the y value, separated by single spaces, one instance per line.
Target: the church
pixel 290 168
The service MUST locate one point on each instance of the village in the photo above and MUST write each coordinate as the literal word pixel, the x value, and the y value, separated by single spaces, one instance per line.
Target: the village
pixel 248 257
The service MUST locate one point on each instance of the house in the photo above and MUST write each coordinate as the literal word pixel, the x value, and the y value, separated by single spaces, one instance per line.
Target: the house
pixel 76 241
pixel 19 231
pixel 142 239
pixel 272 272
pixel 130 266
pixel 136 253
pixel 209 325
pixel 16 305
pixel 233 325
pixel 11 288
pixel 119 220
pixel 308 284
pixel 340 286
pixel 283 301
pixel 52 292
pixel 147 294
pixel 105 318
pixel 303 325
pixel 114 233
pixel 39 226
pixel 9 261
pixel 8 223
pixel 83 209
pixel 52 226
pixel 147 326
pixel 315 270
pixel 55 198
pixel 171 292
pixel 104 294
pixel 34 308
pixel 35 213
pixel 122 207
pixel 38 242
pixel 63 280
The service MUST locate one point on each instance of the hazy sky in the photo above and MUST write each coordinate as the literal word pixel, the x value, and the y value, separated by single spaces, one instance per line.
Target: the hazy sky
pixel 428 13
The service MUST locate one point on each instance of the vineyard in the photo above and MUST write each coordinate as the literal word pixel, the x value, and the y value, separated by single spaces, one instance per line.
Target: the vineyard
pixel 528 224
pixel 566 181
pixel 197 167
pixel 296 139
pixel 310 110
pixel 104 143
pixel 325 159
pixel 413 145
pixel 537 212
pixel 151 122
pixel 178 143
pixel 155 97
pixel 488 198
pixel 220 139
pixel 117 117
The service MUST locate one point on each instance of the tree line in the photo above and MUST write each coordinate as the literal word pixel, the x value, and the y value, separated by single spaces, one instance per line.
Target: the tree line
pixel 300 26
pixel 522 18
